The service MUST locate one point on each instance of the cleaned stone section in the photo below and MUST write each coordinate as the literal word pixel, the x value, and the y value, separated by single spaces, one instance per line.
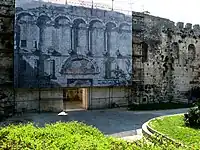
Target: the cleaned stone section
pixel 52 99
pixel 6 57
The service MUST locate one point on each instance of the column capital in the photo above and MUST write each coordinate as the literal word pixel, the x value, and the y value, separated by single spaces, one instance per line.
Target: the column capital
pixel 70 25
pixel 104 28
pixel 87 26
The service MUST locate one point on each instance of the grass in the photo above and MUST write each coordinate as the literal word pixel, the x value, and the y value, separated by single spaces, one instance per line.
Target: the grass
pixel 67 136
pixel 174 127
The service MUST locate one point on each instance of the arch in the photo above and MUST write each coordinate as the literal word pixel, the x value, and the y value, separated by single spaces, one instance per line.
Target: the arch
pixel 110 25
pixel 43 19
pixel 191 51
pixel 77 21
pixel 58 18
pixel 79 65
pixel 76 31
pixel 93 21
pixel 144 52
pixel 22 14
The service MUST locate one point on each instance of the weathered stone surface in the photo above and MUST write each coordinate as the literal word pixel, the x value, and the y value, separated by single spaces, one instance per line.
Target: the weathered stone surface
pixel 6 57
pixel 172 59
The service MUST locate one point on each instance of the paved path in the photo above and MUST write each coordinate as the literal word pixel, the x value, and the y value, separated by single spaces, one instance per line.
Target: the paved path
pixel 115 122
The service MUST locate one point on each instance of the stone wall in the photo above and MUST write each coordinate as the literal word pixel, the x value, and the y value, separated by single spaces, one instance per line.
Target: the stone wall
pixel 171 65
pixel 107 97
pixel 51 100
pixel 45 100
pixel 171 68
pixel 6 54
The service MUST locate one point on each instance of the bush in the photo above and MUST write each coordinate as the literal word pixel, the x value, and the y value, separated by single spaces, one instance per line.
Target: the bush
pixel 68 136
pixel 72 136
pixel 192 118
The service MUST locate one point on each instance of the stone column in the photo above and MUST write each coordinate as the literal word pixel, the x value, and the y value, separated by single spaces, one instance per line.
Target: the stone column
pixel 55 38
pixel 108 41
pixel 40 47
pixel 107 36
pixel 41 37
pixel 75 40
pixel 72 37
pixel 89 40
pixel 105 40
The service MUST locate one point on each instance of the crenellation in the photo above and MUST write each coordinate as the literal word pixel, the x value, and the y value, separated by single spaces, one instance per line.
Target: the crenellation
pixel 187 29
pixel 188 26
pixel 180 25
pixel 196 27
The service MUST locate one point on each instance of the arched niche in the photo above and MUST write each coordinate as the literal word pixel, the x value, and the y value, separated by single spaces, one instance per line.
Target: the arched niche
pixel 25 30
pixel 80 35
pixel 61 34
pixel 124 39
pixel 191 52
pixel 111 38
pixel 45 32
pixel 96 37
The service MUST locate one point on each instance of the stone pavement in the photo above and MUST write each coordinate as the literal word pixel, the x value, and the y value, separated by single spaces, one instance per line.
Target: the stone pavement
pixel 112 122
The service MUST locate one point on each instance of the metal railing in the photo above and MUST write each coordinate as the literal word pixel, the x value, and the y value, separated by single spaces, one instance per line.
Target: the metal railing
pixel 92 4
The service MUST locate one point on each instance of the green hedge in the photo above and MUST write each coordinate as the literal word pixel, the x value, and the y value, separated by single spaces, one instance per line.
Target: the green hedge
pixel 68 136
pixel 72 136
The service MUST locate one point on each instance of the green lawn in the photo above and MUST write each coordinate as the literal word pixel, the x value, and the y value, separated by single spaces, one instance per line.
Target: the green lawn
pixel 175 128
pixel 67 136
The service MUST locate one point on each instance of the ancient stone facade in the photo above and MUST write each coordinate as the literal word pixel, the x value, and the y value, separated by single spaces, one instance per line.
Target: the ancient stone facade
pixel 69 46
pixel 165 69
pixel 171 58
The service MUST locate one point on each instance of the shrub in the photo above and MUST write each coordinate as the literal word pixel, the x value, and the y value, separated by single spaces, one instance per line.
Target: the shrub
pixel 67 136
pixel 192 117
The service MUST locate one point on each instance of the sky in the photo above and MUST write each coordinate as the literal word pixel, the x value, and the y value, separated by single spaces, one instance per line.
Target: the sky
pixel 187 11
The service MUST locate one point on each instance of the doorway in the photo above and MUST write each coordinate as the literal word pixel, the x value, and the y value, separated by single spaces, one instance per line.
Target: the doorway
pixel 75 98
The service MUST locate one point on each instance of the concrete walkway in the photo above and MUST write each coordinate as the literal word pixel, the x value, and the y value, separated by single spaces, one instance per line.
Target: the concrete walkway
pixel 114 122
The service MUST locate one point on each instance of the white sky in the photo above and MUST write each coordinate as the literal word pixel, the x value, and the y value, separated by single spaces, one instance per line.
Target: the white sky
pixel 187 11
